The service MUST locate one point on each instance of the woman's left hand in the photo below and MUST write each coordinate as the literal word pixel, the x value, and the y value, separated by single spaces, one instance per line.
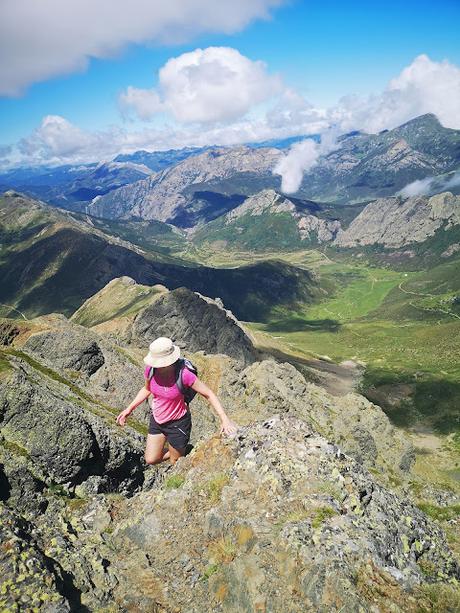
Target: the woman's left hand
pixel 228 427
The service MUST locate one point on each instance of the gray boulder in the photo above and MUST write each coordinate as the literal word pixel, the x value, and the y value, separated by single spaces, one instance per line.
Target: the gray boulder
pixel 83 356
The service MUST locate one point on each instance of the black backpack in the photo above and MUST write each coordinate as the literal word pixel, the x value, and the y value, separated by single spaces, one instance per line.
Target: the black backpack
pixel 188 392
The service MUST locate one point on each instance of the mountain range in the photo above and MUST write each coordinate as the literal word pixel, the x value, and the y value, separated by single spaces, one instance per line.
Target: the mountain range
pixel 197 189
pixel 360 168
pixel 192 186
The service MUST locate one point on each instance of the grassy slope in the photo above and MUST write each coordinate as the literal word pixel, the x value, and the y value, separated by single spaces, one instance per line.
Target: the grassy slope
pixel 117 299
pixel 252 233
pixel 150 235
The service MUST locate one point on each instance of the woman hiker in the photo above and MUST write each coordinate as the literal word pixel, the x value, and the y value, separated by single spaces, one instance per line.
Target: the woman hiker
pixel 170 419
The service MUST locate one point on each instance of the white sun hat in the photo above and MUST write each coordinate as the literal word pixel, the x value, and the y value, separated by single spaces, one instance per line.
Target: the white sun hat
pixel 162 352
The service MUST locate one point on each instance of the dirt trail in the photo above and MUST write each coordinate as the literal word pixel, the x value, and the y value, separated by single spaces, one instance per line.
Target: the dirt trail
pixel 12 308
pixel 337 379
pixel 421 308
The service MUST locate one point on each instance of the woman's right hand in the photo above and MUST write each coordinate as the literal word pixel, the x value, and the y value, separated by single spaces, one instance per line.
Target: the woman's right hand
pixel 121 419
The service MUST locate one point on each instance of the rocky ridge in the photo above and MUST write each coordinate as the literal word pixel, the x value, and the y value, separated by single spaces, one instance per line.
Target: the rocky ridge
pixel 286 514
pixel 194 323
pixel 121 297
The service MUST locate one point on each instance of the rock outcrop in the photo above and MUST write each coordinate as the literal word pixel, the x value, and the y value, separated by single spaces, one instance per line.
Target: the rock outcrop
pixel 360 428
pixel 397 222
pixel 65 438
pixel 195 323
pixel 307 226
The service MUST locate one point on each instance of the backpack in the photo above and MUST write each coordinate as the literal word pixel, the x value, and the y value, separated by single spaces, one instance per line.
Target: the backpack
pixel 187 392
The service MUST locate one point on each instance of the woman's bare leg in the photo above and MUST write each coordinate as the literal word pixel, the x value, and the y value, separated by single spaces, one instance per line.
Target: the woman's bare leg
pixel 154 449
pixel 175 454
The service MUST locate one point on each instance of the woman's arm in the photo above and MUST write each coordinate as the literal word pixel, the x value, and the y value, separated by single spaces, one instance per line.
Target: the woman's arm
pixel 142 395
pixel 227 426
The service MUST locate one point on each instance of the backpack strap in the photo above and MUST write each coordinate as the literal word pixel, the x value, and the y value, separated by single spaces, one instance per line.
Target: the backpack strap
pixel 180 365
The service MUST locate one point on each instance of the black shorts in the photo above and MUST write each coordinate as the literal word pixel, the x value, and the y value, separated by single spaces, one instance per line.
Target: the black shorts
pixel 177 431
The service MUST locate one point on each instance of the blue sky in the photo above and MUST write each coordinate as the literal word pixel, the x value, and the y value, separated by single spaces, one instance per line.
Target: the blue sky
pixel 322 50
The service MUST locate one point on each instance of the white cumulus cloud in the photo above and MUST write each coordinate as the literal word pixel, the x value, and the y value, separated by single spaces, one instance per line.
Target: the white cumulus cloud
pixel 57 140
pixel 425 86
pixel 205 86
pixel 204 108
pixel 40 39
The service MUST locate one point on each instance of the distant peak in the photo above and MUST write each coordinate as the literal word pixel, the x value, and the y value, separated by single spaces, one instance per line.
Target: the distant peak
pixel 427 120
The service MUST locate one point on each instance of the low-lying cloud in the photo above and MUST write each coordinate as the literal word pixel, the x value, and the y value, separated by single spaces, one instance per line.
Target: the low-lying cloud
pixel 301 157
pixel 420 187
pixel 431 185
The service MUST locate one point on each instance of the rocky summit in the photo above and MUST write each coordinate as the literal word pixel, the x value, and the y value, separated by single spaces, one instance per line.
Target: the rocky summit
pixel 306 508
pixel 195 323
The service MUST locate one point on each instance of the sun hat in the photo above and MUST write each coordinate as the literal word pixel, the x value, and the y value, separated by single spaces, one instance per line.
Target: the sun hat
pixel 162 352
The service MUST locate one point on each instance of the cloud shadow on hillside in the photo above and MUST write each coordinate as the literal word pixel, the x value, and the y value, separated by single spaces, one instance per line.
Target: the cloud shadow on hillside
pixel 295 324
pixel 432 405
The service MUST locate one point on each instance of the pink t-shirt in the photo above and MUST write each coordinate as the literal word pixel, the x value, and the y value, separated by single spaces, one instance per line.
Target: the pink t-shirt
pixel 168 403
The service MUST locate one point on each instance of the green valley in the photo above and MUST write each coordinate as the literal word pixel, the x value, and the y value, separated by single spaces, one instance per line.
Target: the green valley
pixel 402 325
